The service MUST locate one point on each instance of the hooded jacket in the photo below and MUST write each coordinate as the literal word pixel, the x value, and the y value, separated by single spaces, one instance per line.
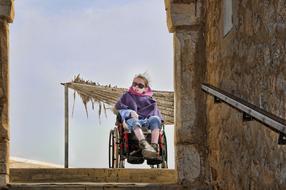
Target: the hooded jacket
pixel 143 104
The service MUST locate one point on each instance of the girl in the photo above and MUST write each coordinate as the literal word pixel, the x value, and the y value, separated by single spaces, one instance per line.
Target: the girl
pixel 139 109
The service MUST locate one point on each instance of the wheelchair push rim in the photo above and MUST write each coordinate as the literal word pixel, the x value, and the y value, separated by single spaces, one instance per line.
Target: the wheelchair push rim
pixel 164 152
pixel 114 150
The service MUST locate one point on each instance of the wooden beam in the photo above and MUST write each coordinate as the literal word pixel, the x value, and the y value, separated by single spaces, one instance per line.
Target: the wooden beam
pixel 66 126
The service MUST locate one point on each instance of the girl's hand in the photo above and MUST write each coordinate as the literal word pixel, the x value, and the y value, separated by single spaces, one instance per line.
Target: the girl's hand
pixel 133 114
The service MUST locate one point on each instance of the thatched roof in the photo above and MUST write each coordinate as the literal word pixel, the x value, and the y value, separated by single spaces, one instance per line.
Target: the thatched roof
pixel 108 95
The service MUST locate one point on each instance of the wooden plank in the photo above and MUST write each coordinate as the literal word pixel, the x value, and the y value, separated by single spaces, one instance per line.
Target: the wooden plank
pixel 76 175
pixel 66 126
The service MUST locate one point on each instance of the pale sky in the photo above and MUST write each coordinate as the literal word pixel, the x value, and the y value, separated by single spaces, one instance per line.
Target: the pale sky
pixel 103 41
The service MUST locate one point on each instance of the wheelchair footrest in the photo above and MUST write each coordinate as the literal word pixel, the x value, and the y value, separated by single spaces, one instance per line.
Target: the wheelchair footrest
pixel 155 161
pixel 135 160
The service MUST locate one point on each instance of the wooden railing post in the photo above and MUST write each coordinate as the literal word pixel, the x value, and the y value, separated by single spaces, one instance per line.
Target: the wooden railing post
pixel 66 126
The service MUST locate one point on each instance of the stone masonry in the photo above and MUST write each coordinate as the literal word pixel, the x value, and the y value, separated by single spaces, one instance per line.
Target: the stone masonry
pixel 249 62
pixel 6 16
pixel 185 20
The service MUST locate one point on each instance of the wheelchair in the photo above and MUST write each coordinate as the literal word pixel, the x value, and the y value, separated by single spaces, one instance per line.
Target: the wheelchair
pixel 123 145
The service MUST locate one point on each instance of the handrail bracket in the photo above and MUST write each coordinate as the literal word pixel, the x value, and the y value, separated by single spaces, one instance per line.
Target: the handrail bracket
pixel 247 117
pixel 282 139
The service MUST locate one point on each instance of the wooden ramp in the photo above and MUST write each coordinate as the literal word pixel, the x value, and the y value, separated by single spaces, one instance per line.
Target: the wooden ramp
pixel 85 179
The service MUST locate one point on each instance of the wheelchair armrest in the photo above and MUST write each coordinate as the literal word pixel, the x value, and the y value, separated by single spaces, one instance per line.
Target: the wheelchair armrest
pixel 118 119
pixel 125 126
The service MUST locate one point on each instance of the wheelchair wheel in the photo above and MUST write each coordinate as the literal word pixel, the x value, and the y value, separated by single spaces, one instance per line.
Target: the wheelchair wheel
pixel 110 149
pixel 114 152
pixel 114 149
pixel 164 150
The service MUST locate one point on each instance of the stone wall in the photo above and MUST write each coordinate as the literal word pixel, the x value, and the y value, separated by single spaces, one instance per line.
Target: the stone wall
pixel 249 62
pixel 6 16
pixel 4 129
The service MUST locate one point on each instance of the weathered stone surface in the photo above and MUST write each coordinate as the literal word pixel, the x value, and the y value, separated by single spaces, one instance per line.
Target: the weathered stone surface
pixel 4 168
pixel 98 186
pixel 7 10
pixel 78 175
pixel 183 15
pixel 102 186
pixel 190 122
pixel 250 63
pixel 4 179
pixel 189 72
pixel 4 94
pixel 4 145
pixel 190 162
pixel 4 90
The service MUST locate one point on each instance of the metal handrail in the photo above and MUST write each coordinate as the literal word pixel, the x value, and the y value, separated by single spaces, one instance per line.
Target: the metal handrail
pixel 249 110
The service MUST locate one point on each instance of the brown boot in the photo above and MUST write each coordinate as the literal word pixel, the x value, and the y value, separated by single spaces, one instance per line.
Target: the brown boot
pixel 155 146
pixel 158 158
pixel 147 150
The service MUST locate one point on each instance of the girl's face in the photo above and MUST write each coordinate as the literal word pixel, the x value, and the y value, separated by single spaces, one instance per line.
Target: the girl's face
pixel 138 85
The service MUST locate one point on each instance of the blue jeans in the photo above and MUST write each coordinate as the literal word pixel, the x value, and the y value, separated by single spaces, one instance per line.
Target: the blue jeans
pixel 153 122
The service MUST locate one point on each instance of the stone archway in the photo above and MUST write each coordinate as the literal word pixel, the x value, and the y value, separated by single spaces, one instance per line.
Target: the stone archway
pixel 185 20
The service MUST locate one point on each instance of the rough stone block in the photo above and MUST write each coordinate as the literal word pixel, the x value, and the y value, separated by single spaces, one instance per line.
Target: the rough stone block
pixel 188 163
pixel 4 132
pixel 7 10
pixel 3 168
pixel 4 151
pixel 4 179
pixel 182 15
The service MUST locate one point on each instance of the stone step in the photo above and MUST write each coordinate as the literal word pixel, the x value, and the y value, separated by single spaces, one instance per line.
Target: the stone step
pixel 83 175
pixel 91 186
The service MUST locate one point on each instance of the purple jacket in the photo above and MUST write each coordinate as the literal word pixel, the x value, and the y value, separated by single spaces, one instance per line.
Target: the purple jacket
pixel 145 106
